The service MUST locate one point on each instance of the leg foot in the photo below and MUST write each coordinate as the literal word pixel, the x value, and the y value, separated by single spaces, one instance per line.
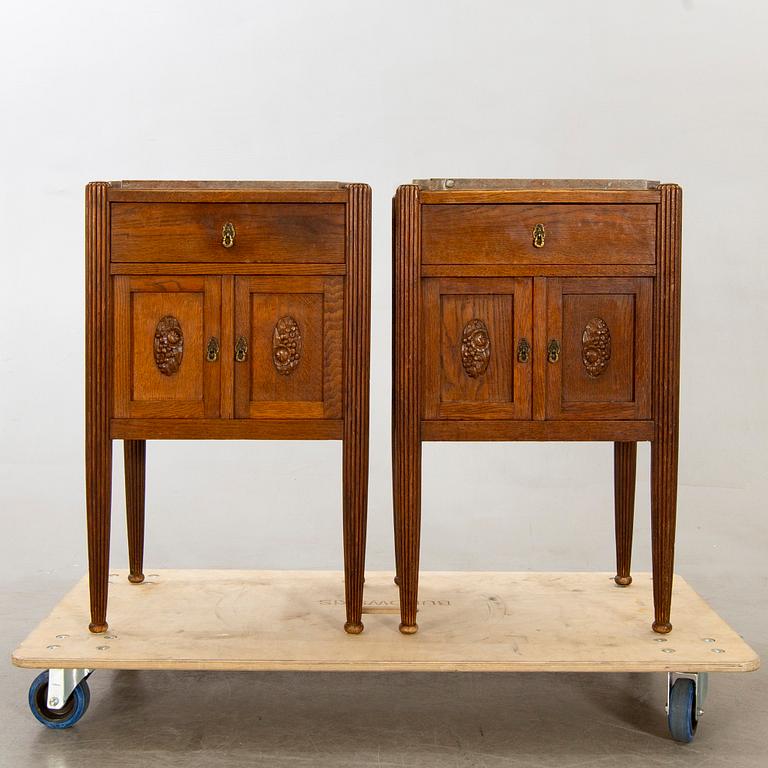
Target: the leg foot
pixel 623 581
pixel 98 628
pixel 135 578
pixel 397 580
pixel 353 629
pixel 409 629
pixel 663 628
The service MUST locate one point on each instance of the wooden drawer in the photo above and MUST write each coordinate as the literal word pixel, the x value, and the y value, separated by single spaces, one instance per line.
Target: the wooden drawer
pixel 193 232
pixel 572 234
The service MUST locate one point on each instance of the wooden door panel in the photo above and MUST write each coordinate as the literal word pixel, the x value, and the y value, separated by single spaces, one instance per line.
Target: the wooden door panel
pixel 603 327
pixel 293 328
pixel 472 329
pixel 161 330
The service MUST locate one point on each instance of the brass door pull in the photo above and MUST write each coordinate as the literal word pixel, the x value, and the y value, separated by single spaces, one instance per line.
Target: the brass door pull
pixel 241 349
pixel 538 236
pixel 212 350
pixel 523 351
pixel 553 351
pixel 228 235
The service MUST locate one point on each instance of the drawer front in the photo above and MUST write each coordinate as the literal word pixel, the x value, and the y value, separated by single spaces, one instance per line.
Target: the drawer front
pixel 598 348
pixel 476 348
pixel 288 356
pixel 162 329
pixel 538 234
pixel 255 232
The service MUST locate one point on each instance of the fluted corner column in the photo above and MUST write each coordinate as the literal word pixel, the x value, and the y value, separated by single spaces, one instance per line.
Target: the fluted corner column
pixel 406 394
pixel 357 331
pixel 666 385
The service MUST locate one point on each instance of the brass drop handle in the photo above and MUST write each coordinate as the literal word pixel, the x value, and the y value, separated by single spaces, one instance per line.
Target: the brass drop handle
pixel 212 350
pixel 228 235
pixel 553 351
pixel 241 349
pixel 538 236
pixel 523 351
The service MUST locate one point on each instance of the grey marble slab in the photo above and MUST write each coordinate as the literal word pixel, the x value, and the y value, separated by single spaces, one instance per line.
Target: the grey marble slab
pixel 440 185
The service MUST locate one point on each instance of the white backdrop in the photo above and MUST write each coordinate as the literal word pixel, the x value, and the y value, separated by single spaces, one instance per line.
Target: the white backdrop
pixel 382 93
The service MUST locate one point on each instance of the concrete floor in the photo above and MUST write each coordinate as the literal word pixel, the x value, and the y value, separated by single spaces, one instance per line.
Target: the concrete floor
pixel 286 719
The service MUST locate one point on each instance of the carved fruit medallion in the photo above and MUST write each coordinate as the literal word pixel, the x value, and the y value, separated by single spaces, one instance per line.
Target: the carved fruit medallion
pixel 596 346
pixel 169 345
pixel 286 345
pixel 475 348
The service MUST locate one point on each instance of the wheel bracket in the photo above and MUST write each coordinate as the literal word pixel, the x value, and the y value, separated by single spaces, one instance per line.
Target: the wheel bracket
pixel 61 683
pixel 700 689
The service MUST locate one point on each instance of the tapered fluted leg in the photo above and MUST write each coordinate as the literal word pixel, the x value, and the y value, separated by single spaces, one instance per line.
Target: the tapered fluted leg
pixel 406 410
pixel 663 514
pixel 407 501
pixel 98 444
pixel 98 481
pixel 624 473
pixel 357 317
pixel 135 455
pixel 394 502
pixel 666 381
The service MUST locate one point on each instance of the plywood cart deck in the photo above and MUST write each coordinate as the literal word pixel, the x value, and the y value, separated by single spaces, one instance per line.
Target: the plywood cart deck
pixel 289 620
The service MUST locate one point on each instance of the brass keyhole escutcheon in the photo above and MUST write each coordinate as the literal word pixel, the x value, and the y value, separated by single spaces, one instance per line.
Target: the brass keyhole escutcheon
pixel 241 349
pixel 228 235
pixel 553 351
pixel 212 350
pixel 523 351
pixel 538 236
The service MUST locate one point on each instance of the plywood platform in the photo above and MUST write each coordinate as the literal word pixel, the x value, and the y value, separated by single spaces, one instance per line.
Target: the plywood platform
pixel 292 620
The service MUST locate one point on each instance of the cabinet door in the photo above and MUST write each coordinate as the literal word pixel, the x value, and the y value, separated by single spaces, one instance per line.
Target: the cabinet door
pixel 598 348
pixel 162 330
pixel 475 332
pixel 288 333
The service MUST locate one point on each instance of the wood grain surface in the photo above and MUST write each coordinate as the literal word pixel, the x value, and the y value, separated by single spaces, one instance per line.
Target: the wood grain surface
pixel 313 388
pixel 98 398
pixel 406 398
pixel 624 476
pixel 471 622
pixel 503 390
pixel 356 372
pixel 503 234
pixel 141 390
pixel 623 391
pixel 601 316
pixel 170 300
pixel 665 374
pixel 190 232
pixel 135 459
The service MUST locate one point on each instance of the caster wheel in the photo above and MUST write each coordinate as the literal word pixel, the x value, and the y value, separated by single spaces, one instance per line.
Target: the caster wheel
pixel 65 717
pixel 682 711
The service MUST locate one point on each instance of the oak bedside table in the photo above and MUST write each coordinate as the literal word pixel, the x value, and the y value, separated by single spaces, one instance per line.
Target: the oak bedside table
pixel 538 310
pixel 228 310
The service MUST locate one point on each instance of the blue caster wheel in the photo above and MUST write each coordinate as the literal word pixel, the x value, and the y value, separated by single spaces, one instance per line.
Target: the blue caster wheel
pixel 65 717
pixel 682 717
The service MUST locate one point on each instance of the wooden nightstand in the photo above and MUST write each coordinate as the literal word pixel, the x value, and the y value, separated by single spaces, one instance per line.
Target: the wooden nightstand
pixel 226 310
pixel 538 310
